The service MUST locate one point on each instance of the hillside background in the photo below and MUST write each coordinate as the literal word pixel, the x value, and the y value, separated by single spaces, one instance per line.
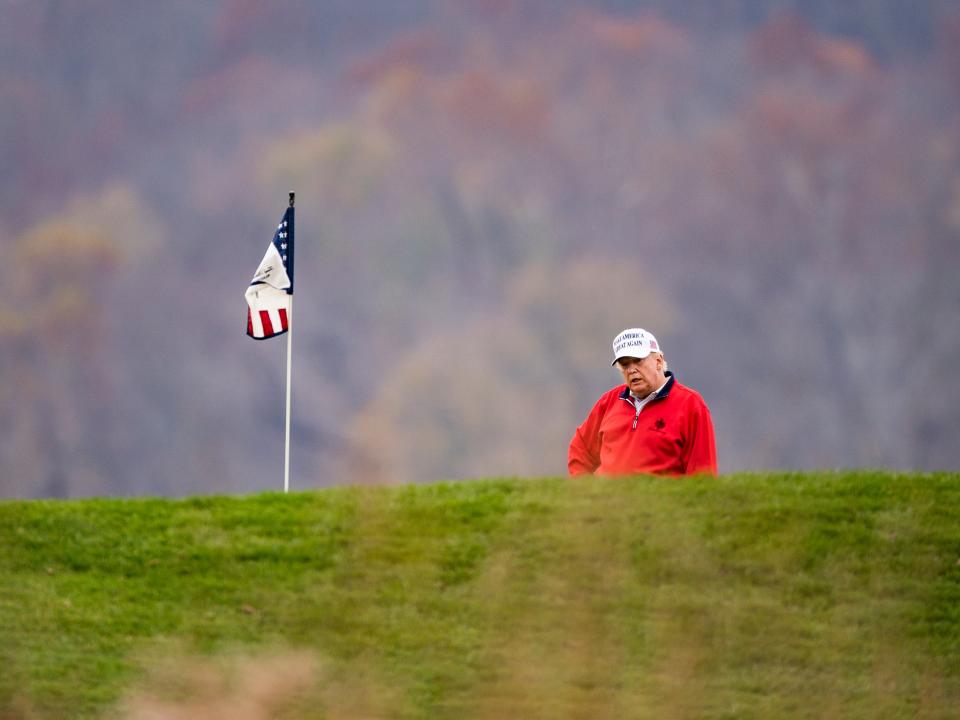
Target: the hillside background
pixel 488 191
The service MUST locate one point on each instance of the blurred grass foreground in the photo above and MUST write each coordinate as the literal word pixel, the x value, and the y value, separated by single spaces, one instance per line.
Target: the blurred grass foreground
pixel 752 596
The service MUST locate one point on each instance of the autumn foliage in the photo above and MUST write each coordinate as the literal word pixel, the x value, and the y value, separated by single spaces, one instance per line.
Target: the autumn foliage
pixel 488 192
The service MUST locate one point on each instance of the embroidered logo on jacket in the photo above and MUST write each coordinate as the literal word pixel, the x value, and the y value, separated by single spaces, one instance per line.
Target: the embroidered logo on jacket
pixel 659 425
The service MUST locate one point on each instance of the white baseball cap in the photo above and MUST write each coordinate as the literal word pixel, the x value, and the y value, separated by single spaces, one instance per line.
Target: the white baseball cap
pixel 634 342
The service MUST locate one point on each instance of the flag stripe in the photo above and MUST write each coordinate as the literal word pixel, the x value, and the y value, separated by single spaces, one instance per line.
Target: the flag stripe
pixel 249 323
pixel 267 325
pixel 283 319
pixel 257 328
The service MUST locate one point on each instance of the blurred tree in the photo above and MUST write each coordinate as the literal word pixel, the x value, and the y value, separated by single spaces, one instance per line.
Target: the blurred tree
pixel 57 274
pixel 824 183
pixel 56 325
pixel 341 166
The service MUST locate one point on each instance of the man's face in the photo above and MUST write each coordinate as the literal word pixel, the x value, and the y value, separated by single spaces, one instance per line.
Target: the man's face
pixel 642 376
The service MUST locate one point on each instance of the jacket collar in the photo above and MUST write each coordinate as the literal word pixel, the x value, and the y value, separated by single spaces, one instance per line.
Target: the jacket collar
pixel 662 393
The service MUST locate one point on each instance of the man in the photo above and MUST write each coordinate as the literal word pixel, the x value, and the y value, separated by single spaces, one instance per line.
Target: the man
pixel 651 424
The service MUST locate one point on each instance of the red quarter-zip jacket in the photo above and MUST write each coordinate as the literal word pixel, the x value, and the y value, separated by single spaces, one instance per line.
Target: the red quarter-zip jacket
pixel 672 435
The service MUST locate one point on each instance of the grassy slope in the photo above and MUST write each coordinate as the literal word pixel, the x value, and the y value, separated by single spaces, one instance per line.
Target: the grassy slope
pixel 751 596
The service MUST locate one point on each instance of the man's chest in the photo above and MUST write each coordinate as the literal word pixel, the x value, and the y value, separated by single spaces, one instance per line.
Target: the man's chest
pixel 655 428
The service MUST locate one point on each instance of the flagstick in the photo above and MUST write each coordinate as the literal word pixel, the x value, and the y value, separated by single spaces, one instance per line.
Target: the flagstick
pixel 286 454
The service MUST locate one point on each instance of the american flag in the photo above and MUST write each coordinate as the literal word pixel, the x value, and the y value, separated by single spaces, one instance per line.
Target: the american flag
pixel 270 295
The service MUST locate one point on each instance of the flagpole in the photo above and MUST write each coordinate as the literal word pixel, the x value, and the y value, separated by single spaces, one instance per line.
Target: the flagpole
pixel 286 453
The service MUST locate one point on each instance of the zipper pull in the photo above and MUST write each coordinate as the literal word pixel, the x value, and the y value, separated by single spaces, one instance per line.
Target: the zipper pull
pixel 635 418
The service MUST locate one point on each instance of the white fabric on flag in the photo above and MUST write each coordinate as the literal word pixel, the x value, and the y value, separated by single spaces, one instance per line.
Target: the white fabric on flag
pixel 268 313
pixel 272 270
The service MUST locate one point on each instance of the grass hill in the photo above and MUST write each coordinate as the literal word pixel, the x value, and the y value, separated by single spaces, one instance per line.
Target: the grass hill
pixel 831 595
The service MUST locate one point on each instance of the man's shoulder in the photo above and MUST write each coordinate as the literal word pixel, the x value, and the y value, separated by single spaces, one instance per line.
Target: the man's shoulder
pixel 686 393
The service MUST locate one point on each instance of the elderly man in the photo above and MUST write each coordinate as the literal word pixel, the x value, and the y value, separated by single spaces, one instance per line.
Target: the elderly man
pixel 651 424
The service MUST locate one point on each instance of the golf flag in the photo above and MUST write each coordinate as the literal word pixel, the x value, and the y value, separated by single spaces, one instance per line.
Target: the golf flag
pixel 270 295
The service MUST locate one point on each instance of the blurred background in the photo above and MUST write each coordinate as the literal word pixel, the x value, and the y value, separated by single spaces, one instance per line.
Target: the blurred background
pixel 487 192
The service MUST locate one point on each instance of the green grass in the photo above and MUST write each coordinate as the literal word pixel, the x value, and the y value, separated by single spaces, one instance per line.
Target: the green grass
pixel 831 595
